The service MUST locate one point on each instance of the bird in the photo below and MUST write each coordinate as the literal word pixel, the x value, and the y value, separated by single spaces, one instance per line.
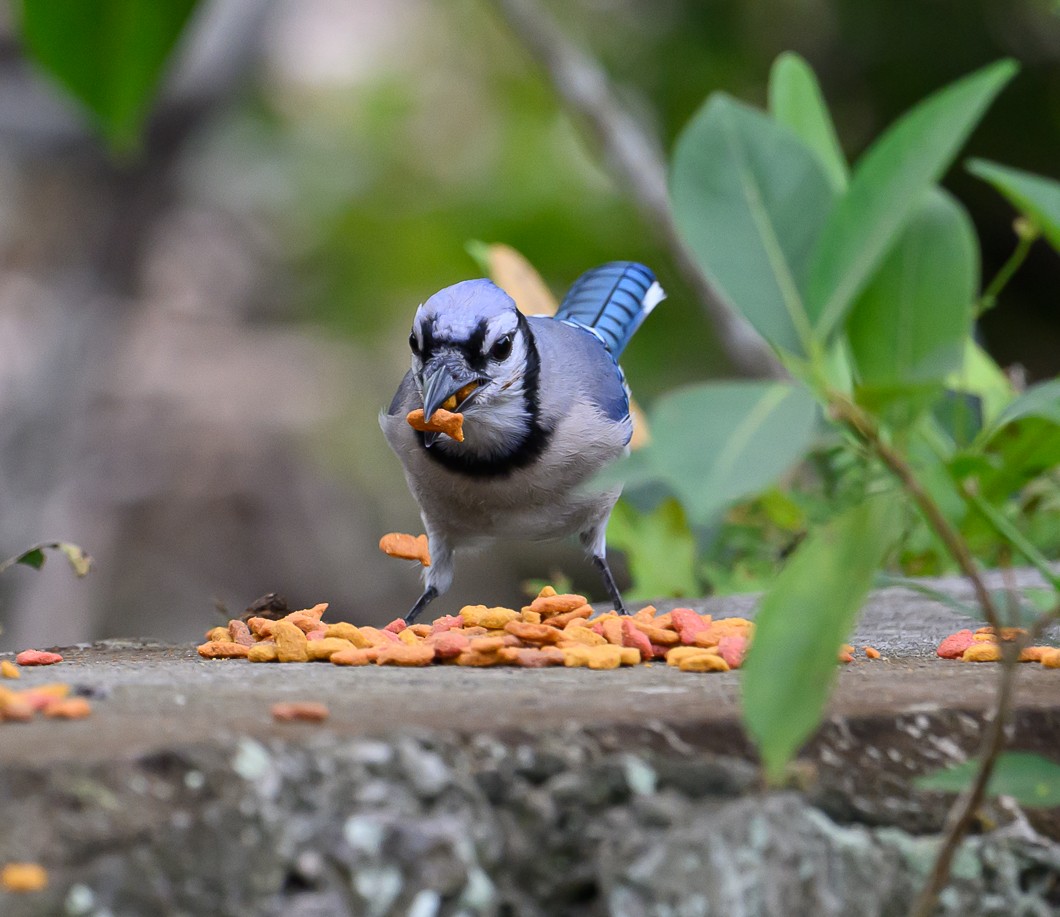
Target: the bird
pixel 545 406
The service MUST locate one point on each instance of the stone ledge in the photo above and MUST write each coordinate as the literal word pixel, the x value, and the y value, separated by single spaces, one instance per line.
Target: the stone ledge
pixel 552 792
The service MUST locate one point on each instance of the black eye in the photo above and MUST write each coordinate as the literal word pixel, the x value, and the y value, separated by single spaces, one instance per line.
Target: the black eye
pixel 502 349
pixel 413 343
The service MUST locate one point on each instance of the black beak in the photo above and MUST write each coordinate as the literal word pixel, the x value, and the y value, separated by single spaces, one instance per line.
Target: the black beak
pixel 443 377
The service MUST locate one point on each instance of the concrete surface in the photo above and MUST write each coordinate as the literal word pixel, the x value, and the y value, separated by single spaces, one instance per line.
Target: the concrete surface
pixel 500 791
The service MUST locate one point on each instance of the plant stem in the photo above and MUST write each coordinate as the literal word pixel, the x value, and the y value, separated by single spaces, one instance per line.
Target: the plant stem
pixel 1026 234
pixel 960 815
pixel 864 427
pixel 962 811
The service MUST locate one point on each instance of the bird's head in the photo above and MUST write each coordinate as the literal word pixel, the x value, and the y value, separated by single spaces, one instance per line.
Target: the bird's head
pixel 469 354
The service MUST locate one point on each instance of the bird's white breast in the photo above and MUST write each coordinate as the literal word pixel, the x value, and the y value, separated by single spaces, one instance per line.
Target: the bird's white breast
pixel 540 501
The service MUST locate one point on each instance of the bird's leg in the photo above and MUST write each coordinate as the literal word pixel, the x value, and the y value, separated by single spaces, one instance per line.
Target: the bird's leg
pixel 428 596
pixel 438 576
pixel 595 542
pixel 600 562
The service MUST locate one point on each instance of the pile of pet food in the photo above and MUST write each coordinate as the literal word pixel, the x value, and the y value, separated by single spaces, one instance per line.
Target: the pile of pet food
pixel 552 630
pixel 982 645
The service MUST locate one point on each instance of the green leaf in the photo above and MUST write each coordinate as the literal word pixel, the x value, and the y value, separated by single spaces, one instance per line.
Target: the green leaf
pixel 717 442
pixel 802 622
pixel 659 547
pixel 795 99
pixel 750 200
pixel 35 557
pixel 1023 441
pixel 1009 531
pixel 1019 608
pixel 956 421
pixel 108 54
pixel 888 185
pixel 980 376
pixel 1020 451
pixel 1042 400
pixel 480 254
pixel 1036 197
pixel 1030 779
pixel 909 325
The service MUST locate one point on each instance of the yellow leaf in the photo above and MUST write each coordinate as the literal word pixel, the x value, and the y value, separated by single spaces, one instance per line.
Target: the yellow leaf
pixel 519 279
pixel 641 435
pixel 511 271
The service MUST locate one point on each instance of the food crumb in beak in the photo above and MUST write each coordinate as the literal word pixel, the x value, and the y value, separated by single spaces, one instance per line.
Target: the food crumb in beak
pixel 452 401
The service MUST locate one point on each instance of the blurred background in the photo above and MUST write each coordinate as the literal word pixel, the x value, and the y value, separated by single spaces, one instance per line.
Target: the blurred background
pixel 195 342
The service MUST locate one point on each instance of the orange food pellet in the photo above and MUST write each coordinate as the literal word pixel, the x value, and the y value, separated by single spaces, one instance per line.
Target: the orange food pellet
pixel 70 708
pixel 291 642
pixel 356 656
pixel 982 652
pixel 732 648
pixel 406 547
pixel 324 649
pixel 871 652
pixel 678 654
pixel 8 669
pixel 580 613
pixel 403 654
pixel 491 618
pixel 16 709
pixel 703 662
pixel 441 421
pixel 23 877
pixel 37 657
pixel 548 605
pixel 223 650
pixel 953 646
pixel 478 660
pixel 306 711
pixel 533 633
pixel 263 652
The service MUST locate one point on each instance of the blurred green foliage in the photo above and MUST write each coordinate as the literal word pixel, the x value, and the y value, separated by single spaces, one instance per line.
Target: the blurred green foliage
pixel 1028 778
pixel 376 188
pixel 108 54
pixel 378 183
pixel 866 285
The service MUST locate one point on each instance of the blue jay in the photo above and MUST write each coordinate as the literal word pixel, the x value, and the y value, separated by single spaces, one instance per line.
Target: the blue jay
pixel 545 406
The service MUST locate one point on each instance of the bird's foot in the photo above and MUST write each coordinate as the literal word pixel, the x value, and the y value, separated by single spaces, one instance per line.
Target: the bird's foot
pixel 609 583
pixel 429 595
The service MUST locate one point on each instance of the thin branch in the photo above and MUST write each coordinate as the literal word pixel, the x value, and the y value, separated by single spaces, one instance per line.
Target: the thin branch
pixel 865 428
pixel 962 812
pixel 636 161
pixel 1026 234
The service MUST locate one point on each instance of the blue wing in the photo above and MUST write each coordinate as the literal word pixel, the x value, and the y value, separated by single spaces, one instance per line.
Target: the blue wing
pixel 611 301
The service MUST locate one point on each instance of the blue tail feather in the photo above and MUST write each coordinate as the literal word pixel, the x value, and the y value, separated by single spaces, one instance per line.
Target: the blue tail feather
pixel 612 300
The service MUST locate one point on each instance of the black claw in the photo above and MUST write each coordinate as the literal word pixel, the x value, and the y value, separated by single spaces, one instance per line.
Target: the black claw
pixel 609 584
pixel 429 595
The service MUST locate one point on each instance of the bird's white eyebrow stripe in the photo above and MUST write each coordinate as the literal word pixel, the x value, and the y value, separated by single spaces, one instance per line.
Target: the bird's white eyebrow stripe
pixel 497 330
